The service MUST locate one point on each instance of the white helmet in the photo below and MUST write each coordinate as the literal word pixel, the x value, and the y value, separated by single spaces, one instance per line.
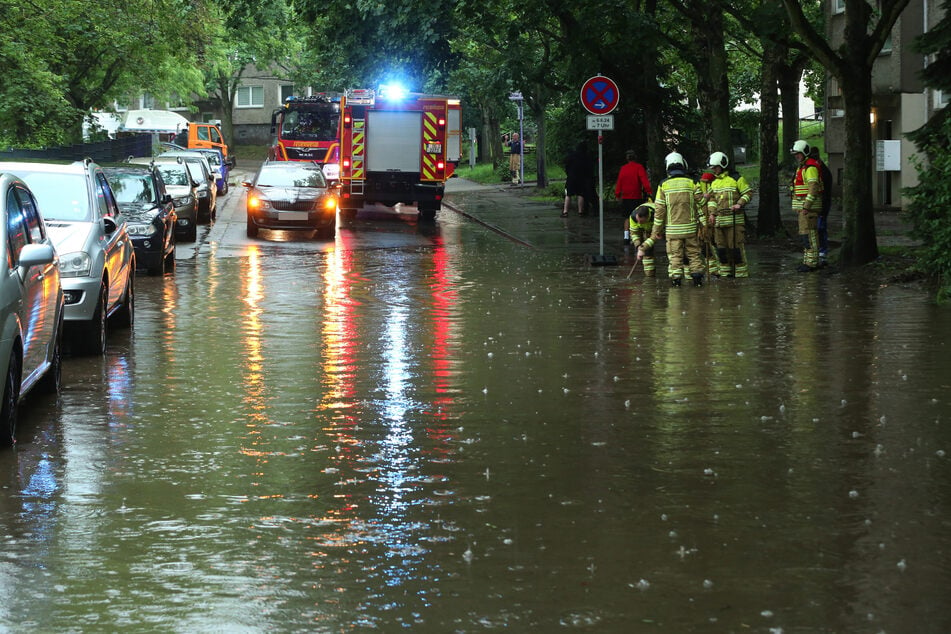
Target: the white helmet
pixel 800 146
pixel 673 159
pixel 718 159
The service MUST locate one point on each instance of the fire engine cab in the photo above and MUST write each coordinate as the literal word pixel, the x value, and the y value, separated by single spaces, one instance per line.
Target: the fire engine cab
pixel 397 149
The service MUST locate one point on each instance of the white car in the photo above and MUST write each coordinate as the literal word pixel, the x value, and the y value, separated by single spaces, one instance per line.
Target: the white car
pixel 97 259
pixel 31 304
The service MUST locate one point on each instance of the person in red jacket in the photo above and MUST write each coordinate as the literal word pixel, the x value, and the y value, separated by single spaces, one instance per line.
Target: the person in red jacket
pixel 632 188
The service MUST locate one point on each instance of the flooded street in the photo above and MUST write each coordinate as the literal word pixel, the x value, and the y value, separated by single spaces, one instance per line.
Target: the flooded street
pixel 444 430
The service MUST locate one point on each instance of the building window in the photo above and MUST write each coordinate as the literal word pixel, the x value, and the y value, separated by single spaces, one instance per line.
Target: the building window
pixel 941 98
pixel 887 46
pixel 838 6
pixel 250 97
pixel 286 91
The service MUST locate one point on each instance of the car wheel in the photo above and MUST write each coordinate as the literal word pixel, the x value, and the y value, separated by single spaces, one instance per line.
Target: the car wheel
pixel 226 188
pixel 427 215
pixel 191 234
pixel 92 336
pixel 11 400
pixel 170 262
pixel 252 228
pixel 348 214
pixel 214 213
pixel 51 381
pixel 125 316
pixel 327 233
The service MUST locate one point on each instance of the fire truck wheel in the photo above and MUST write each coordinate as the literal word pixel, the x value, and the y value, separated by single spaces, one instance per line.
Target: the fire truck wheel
pixel 348 214
pixel 427 215
pixel 252 229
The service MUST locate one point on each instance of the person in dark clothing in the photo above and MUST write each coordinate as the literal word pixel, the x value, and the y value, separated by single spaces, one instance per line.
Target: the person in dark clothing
pixel 578 178
pixel 822 223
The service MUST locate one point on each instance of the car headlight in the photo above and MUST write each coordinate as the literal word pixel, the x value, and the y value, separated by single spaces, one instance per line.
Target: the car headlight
pixel 184 201
pixel 258 203
pixel 76 264
pixel 331 171
pixel 203 193
pixel 142 230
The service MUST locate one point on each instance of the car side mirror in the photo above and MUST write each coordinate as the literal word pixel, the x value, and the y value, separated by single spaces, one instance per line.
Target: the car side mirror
pixel 166 199
pixel 246 184
pixel 109 225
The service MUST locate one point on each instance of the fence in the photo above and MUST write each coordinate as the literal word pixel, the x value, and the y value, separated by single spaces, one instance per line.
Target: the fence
pixel 111 151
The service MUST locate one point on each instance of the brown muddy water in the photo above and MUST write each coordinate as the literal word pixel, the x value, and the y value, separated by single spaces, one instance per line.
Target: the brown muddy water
pixel 451 433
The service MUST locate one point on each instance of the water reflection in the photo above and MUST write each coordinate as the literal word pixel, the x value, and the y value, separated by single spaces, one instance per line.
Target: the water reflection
pixel 456 436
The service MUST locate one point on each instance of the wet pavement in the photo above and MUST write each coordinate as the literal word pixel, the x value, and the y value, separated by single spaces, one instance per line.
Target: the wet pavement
pixel 440 428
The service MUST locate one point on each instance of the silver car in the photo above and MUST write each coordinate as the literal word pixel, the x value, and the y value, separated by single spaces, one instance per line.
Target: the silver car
pixel 31 303
pixel 204 175
pixel 97 259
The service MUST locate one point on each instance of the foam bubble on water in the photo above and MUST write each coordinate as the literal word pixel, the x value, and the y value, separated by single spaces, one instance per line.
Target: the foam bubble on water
pixel 940 453
pixel 707 584
pixel 627 404
pixel 902 565
pixel 853 494
pixel 643 584
pixel 490 355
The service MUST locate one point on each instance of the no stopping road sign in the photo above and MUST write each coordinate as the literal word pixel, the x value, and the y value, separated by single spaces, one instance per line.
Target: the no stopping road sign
pixel 599 95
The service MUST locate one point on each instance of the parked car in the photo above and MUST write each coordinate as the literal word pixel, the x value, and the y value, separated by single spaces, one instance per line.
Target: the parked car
pixel 31 304
pixel 291 195
pixel 96 257
pixel 207 189
pixel 219 167
pixel 147 206
pixel 178 183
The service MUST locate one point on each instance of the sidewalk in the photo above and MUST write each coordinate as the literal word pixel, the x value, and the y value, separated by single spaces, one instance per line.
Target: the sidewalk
pixel 511 212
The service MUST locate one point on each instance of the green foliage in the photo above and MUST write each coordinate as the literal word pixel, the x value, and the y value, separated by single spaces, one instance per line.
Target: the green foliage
pixel 930 208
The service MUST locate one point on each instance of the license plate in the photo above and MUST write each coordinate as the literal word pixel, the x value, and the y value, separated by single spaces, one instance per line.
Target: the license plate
pixel 434 148
pixel 292 215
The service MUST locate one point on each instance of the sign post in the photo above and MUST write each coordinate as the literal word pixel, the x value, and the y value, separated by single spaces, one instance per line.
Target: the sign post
pixel 599 96
pixel 517 98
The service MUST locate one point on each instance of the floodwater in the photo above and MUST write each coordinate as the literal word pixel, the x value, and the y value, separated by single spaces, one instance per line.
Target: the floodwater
pixel 450 432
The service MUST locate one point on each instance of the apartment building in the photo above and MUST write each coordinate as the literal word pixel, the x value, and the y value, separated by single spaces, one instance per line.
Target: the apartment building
pixel 900 103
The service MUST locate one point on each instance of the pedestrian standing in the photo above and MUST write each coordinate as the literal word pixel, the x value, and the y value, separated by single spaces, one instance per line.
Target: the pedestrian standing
pixel 577 175
pixel 515 158
pixel 678 217
pixel 807 203
pixel 729 193
pixel 640 224
pixel 633 187
pixel 822 222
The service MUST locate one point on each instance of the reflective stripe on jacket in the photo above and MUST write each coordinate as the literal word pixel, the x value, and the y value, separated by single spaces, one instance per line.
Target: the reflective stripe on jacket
pixel 727 190
pixel 677 206
pixel 807 187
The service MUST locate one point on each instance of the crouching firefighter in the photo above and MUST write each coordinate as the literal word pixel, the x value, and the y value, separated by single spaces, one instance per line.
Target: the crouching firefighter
pixel 677 216
pixel 729 194
pixel 641 223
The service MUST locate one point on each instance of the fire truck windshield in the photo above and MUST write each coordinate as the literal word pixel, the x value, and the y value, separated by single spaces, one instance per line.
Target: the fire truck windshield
pixel 304 125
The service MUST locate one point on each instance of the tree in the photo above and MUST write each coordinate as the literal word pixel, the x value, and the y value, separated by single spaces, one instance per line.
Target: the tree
pixel 866 31
pixel 83 55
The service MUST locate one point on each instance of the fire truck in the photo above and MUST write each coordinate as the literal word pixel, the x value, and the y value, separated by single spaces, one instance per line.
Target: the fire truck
pixel 397 149
pixel 307 129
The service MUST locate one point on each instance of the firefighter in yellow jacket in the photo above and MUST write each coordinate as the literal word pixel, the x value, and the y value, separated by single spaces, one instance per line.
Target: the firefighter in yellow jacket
pixel 678 217
pixel 807 203
pixel 729 193
pixel 640 226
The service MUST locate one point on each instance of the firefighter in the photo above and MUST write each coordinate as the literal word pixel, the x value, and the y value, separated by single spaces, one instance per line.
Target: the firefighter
pixel 677 216
pixel 729 194
pixel 641 222
pixel 807 203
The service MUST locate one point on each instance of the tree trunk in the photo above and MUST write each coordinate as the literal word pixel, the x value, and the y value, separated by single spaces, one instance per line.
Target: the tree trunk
pixel 538 112
pixel 769 218
pixel 789 90
pixel 859 245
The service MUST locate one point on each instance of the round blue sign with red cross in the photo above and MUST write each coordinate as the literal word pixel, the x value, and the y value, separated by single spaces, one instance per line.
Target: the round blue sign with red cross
pixel 599 95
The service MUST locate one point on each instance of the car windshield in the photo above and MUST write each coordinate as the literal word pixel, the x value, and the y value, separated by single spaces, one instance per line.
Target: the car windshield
pixel 213 157
pixel 291 177
pixel 133 188
pixel 319 124
pixel 194 168
pixel 61 196
pixel 174 174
